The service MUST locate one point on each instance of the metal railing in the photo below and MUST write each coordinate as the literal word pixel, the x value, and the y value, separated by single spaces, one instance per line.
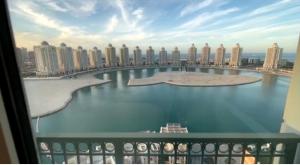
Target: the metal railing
pixel 168 148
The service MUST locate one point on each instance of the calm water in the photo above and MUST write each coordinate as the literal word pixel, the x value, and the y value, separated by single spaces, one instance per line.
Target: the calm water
pixel 115 107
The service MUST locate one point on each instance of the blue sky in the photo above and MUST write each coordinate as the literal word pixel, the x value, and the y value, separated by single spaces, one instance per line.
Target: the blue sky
pixel 255 24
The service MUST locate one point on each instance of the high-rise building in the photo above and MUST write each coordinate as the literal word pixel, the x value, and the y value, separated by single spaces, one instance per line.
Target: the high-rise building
pixel 205 55
pixel 163 56
pixel 219 56
pixel 65 58
pixel 124 56
pixel 31 58
pixel 137 56
pixel 273 57
pixel 22 56
pixel 46 59
pixel 95 58
pixel 80 58
pixel 150 56
pixel 235 56
pixel 192 54
pixel 110 56
pixel 176 56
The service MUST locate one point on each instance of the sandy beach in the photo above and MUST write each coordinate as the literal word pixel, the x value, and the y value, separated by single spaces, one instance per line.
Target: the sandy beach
pixel 193 79
pixel 48 96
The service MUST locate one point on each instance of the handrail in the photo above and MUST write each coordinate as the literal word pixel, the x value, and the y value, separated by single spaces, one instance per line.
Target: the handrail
pixel 171 148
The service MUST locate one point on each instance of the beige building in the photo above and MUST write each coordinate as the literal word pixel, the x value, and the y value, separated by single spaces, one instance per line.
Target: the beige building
pixel 273 57
pixel 124 56
pixel 150 56
pixel 95 58
pixel 205 55
pixel 192 54
pixel 65 58
pixel 219 56
pixel 46 60
pixel 110 56
pixel 21 54
pixel 235 57
pixel 163 56
pixel 176 56
pixel 137 56
pixel 80 58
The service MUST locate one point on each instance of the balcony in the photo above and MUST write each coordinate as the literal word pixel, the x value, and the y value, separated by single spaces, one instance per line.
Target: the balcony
pixel 181 148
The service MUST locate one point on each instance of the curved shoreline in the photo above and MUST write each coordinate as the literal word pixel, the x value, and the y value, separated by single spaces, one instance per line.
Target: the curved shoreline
pixel 104 70
pixel 193 79
pixel 68 100
pixel 95 72
pixel 49 96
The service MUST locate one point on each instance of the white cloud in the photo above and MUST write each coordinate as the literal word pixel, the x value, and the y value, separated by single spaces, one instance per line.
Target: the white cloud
pixel 41 19
pixel 205 17
pixel 112 24
pixel 77 8
pixel 195 7
pixel 270 8
pixel 139 13
pixel 54 6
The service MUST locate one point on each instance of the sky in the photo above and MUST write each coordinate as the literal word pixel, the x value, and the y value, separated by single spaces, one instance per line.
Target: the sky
pixel 254 24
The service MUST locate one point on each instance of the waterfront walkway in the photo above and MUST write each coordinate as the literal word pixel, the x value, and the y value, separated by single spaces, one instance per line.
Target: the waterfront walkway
pixel 193 79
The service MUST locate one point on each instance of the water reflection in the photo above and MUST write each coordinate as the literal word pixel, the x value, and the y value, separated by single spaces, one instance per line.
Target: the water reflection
pixel 234 72
pixel 138 73
pixel 204 70
pixel 243 108
pixel 269 81
pixel 162 69
pixel 150 72
pixel 218 71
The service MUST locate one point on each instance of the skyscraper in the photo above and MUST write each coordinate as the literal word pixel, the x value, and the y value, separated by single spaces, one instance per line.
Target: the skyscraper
pixel 273 57
pixel 235 56
pixel 205 55
pixel 95 58
pixel 22 55
pixel 176 56
pixel 80 59
pixel 163 57
pixel 124 56
pixel 46 59
pixel 110 56
pixel 192 54
pixel 219 56
pixel 137 56
pixel 31 58
pixel 150 56
pixel 65 58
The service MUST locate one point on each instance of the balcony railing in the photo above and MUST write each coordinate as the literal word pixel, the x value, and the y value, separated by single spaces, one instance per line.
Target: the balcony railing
pixel 168 148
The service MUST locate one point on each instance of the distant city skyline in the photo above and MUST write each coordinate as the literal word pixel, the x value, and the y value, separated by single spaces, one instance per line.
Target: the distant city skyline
pixel 253 24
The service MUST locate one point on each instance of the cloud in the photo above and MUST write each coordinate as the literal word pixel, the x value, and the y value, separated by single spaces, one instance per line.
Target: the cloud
pixel 77 8
pixel 205 17
pixel 139 13
pixel 38 18
pixel 270 8
pixel 195 7
pixel 112 24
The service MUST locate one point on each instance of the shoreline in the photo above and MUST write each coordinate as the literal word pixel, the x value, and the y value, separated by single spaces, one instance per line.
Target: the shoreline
pixel 92 73
pixel 104 70
pixel 66 102
pixel 192 79
pixel 47 97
